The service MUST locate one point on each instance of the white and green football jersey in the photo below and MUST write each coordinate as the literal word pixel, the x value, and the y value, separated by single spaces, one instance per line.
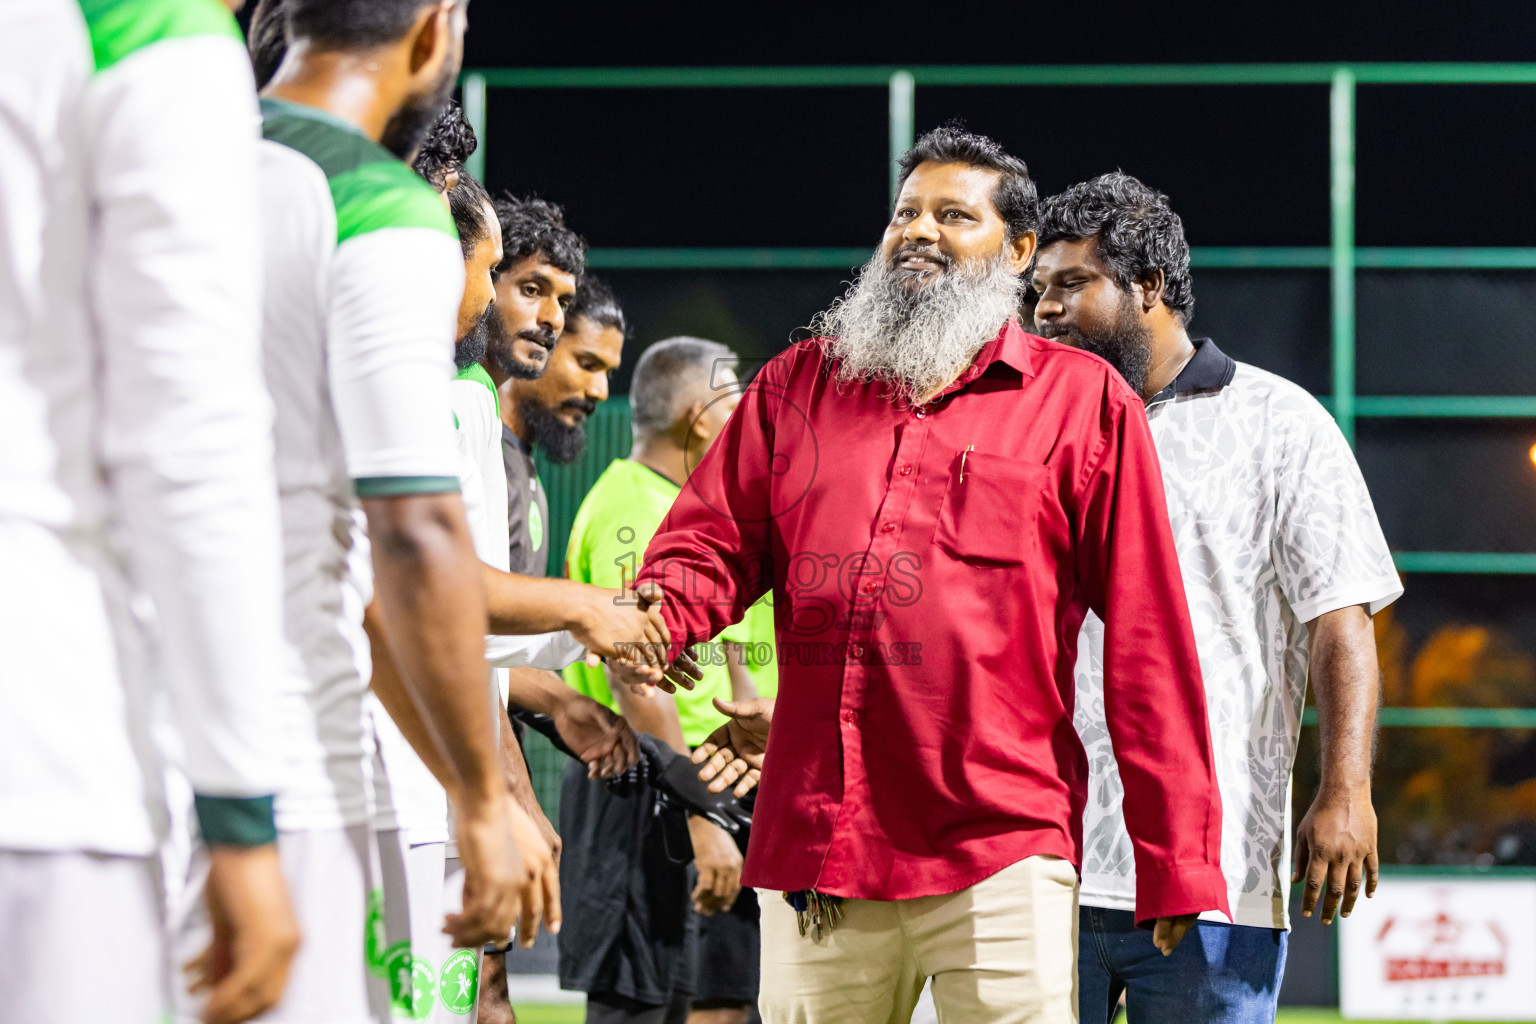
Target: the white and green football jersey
pixel 135 435
pixel 483 477
pixel 363 279
pixel 408 797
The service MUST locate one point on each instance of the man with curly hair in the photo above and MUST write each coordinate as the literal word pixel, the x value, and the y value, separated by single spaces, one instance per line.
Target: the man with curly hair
pixel 1284 564
pixel 448 146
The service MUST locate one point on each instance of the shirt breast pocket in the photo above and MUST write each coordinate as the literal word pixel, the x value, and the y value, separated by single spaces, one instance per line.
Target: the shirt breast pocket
pixel 991 508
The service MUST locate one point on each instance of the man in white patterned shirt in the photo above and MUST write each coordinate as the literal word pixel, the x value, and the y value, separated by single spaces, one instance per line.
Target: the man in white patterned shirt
pixel 1284 564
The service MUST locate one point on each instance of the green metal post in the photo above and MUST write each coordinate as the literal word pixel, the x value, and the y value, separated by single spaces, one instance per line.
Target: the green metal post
pixel 1342 138
pixel 474 113
pixel 903 113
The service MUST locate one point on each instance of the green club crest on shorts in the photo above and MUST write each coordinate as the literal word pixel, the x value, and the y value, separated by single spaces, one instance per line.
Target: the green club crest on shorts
pixel 412 984
pixel 460 981
pixel 375 939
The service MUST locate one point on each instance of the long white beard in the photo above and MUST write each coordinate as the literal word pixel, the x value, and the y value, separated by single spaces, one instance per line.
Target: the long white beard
pixel 917 338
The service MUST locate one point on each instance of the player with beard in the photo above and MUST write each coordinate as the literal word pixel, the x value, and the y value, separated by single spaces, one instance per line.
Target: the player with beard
pixel 535 284
pixel 419 873
pixel 591 342
pixel 446 147
pixel 550 412
pixel 411 806
pixel 936 499
pixel 1284 563
pixel 362 274
pixel 538 283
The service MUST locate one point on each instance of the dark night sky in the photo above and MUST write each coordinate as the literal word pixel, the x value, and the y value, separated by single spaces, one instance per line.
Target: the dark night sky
pixel 894 31
pixel 1438 165
pixel 807 167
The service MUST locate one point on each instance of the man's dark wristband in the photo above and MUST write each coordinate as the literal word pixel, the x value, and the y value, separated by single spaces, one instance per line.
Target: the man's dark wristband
pixel 236 821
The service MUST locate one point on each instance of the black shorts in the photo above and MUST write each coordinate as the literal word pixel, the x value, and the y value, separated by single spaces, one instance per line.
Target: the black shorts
pixel 727 967
pixel 625 896
pixel 611 1009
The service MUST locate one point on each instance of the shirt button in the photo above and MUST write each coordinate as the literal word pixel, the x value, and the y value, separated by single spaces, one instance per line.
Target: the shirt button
pixel 871 587
pixel 888 527
pixel 851 717
pixel 921 413
pixel 906 470
pixel 856 652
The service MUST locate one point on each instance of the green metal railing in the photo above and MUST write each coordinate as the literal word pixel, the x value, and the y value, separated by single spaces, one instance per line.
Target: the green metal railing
pixel 1341 257
pixel 1446 717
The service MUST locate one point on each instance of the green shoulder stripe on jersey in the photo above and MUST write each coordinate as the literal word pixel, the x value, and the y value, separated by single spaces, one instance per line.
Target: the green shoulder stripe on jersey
pixel 119 28
pixel 386 195
pixel 476 373
pixel 393 486
pixel 236 821
pixel 370 187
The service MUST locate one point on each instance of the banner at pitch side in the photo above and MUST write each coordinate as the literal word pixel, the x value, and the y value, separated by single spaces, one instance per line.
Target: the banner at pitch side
pixel 1450 949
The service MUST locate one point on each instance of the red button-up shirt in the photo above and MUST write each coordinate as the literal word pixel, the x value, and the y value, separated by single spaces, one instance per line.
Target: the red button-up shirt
pixel 930 569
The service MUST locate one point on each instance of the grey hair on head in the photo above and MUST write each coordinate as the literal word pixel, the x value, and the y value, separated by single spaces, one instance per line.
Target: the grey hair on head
pixel 670 376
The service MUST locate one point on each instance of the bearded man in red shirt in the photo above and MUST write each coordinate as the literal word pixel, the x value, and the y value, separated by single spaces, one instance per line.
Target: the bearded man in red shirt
pixel 935 499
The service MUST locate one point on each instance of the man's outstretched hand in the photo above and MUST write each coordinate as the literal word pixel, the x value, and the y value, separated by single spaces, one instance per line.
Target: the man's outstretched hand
pixel 1168 932
pixel 611 627
pixel 734 753
pixel 683 672
pixel 600 739
pixel 640 667
pixel 677 782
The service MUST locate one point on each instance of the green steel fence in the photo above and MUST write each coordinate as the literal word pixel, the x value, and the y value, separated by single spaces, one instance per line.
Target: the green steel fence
pixel 1342 258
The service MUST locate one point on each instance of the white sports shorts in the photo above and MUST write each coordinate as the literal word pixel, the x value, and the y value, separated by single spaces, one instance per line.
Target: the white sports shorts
pixel 327 871
pixel 52 906
pixel 417 970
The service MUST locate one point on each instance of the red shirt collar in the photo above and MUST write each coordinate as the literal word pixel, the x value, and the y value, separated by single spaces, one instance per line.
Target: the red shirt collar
pixel 1010 346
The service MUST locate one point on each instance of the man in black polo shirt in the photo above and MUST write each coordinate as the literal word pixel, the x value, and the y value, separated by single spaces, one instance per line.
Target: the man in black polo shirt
pixel 550 413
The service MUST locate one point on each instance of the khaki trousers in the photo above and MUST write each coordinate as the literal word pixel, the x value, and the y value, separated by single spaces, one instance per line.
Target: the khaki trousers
pixel 1003 951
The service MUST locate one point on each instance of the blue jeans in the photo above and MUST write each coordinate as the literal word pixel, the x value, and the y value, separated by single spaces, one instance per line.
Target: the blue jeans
pixel 1219 974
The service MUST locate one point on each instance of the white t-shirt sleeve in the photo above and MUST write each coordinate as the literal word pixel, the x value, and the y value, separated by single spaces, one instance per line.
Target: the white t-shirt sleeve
pixel 468 414
pixel 185 420
pixel 393 306
pixel 552 651
pixel 1329 550
pixel 479 432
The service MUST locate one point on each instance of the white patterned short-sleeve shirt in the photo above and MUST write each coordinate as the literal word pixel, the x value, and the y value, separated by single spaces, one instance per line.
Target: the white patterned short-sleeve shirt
pixel 1274 527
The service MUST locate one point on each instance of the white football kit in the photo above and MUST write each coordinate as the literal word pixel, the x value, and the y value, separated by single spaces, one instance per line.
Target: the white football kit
pixel 420 875
pixel 138 519
pixel 363 278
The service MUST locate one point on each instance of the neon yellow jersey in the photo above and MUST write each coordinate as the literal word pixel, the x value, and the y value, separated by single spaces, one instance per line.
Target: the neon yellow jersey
pixel 615 523
pixel 755 633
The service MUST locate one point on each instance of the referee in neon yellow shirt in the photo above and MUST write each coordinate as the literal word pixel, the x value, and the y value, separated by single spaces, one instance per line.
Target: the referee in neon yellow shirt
pixel 634 947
